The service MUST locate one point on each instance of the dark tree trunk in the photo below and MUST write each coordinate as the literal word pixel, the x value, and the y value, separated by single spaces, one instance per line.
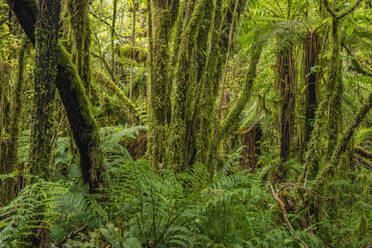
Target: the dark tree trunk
pixel 311 53
pixel 45 73
pixel 251 141
pixel 287 87
pixel 74 98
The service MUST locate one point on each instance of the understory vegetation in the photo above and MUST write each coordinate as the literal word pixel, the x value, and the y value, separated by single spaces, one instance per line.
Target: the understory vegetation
pixel 185 123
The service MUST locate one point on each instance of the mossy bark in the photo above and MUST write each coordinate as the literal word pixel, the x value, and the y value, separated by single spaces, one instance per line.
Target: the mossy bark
pixel 130 107
pixel 81 33
pixel 328 170
pixel 160 26
pixel 205 106
pixel 75 101
pixel 5 70
pixel 184 79
pixel 45 73
pixel 8 187
pixel 334 89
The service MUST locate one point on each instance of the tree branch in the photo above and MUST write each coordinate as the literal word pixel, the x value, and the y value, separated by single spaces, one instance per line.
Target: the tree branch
pixel 348 11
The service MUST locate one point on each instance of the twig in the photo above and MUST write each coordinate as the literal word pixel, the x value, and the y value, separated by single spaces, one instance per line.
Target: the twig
pixel 70 235
pixel 364 153
pixel 284 212
pixel 283 185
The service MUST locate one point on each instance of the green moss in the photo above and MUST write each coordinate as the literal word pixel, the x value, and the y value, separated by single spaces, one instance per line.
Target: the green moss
pixel 81 120
pixel 137 53
pixel 81 31
pixel 184 82
pixel 129 106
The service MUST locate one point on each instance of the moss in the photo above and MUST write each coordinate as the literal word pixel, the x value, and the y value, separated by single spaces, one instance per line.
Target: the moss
pixel 14 129
pixel 209 87
pixel 139 54
pixel 83 126
pixel 129 106
pixel 45 73
pixel 81 31
pixel 329 169
pixel 159 85
pixel 334 89
pixel 184 79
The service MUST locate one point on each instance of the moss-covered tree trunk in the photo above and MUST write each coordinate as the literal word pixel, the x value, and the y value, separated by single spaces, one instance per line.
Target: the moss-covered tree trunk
pixel 334 84
pixel 183 88
pixel 81 32
pixel 160 26
pixel 334 89
pixel 45 74
pixel 5 70
pixel 206 101
pixel 74 98
pixel 8 187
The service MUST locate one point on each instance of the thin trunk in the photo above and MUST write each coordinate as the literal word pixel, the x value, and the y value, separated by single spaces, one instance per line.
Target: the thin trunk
pixel 209 88
pixel 8 189
pixel 328 170
pixel 5 70
pixel 113 35
pixel 133 43
pixel 311 75
pixel 161 20
pixel 334 90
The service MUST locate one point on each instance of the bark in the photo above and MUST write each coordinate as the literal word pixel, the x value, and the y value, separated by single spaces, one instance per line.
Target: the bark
pixel 129 106
pixel 74 98
pixel 8 187
pixel 81 33
pixel 159 94
pixel 287 84
pixel 45 74
pixel 334 89
pixel 183 80
pixel 311 53
pixel 328 170
pixel 5 70
pixel 209 88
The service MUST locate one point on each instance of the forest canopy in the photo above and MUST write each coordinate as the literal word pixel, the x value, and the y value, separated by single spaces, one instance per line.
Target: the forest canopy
pixel 185 123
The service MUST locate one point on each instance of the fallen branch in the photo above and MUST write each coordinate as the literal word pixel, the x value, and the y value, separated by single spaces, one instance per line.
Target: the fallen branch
pixel 283 185
pixel 70 235
pixel 284 212
pixel 362 152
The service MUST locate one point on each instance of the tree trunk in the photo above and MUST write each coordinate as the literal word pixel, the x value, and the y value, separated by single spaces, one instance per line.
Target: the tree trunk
pixel 287 84
pixel 159 95
pixel 311 75
pixel 8 187
pixel 74 98
pixel 45 74
pixel 81 32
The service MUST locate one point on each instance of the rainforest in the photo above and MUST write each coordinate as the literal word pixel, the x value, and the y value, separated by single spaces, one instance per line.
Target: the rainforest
pixel 185 123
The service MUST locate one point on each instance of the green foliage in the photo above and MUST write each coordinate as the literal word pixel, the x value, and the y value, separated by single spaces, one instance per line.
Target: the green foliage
pixel 36 204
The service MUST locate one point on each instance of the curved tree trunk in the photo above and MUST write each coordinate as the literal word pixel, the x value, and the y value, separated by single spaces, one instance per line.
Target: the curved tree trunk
pixel 74 98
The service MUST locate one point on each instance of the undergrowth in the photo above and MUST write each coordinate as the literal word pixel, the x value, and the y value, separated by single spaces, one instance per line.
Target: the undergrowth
pixel 141 207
